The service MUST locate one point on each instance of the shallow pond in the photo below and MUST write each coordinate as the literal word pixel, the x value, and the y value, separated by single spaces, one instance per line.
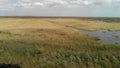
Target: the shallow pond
pixel 105 36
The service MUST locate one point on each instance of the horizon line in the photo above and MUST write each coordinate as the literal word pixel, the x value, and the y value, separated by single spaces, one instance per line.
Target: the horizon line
pixel 57 17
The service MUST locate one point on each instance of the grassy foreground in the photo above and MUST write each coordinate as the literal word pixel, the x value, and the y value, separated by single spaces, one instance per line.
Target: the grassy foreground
pixel 55 43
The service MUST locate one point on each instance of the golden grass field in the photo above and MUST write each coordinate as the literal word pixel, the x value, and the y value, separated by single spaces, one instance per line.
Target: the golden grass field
pixel 55 43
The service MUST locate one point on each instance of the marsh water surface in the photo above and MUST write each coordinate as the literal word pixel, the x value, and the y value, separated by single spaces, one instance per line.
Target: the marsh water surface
pixel 105 36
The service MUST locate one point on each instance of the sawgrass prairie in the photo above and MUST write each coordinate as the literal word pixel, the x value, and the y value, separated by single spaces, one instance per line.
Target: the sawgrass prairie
pixel 56 43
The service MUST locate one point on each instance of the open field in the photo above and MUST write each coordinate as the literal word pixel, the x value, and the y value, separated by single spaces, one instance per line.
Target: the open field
pixel 88 24
pixel 56 43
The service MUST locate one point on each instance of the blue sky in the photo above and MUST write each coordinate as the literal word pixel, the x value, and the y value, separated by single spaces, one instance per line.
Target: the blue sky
pixel 102 8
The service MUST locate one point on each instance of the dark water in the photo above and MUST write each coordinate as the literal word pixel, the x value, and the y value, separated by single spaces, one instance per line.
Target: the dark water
pixel 105 36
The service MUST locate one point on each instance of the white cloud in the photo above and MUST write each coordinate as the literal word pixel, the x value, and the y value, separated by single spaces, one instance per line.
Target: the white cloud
pixel 38 3
pixel 4 4
pixel 86 2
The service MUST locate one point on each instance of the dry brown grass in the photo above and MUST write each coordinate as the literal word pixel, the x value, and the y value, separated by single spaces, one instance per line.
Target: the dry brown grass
pixel 41 30
pixel 88 25
pixel 12 23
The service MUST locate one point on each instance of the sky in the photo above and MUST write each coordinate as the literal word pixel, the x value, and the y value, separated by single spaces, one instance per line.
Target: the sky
pixel 94 8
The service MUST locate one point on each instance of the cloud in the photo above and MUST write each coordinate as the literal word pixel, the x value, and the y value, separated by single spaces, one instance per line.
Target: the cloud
pixel 54 3
pixel 38 3
pixel 3 1
pixel 4 5
pixel 60 7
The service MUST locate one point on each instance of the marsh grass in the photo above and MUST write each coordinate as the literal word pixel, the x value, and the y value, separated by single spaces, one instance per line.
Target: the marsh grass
pixel 37 43
pixel 88 24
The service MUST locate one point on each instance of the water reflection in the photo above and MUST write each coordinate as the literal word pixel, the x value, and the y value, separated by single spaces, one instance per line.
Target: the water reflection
pixel 105 36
